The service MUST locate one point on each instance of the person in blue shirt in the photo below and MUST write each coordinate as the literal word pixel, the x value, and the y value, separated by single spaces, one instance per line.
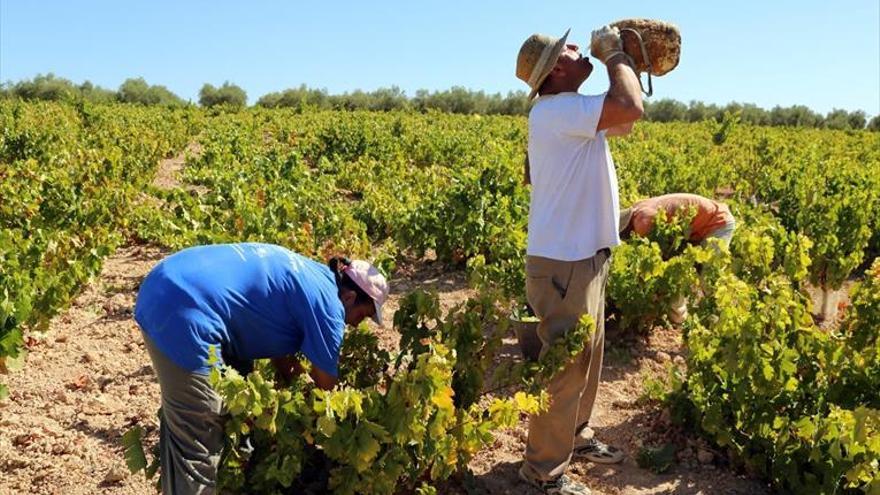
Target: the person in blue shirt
pixel 248 301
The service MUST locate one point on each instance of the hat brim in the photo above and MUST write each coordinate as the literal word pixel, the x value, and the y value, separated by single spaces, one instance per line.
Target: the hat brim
pixel 377 316
pixel 554 55
pixel 625 219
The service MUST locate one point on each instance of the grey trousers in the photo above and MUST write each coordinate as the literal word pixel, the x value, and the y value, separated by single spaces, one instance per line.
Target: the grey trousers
pixel 191 428
pixel 560 292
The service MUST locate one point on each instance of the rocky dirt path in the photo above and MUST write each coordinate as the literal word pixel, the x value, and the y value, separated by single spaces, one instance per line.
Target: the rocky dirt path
pixel 88 379
pixel 85 382
pixel 168 173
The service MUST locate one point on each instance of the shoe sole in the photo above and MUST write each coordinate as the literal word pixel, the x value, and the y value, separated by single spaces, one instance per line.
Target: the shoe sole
pixel 598 459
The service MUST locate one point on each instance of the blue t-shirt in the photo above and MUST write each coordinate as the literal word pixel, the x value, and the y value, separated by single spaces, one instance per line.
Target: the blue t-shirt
pixel 249 300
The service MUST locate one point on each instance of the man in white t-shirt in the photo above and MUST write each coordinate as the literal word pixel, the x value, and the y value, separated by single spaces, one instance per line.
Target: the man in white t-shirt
pixel 572 226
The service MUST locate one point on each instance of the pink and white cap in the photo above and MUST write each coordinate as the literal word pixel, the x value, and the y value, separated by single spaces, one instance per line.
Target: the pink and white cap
pixel 368 278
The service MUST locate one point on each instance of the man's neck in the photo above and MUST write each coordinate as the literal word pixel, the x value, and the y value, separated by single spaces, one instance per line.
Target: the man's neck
pixel 551 89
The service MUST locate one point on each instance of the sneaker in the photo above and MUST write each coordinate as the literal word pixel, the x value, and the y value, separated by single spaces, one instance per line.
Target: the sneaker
pixel 595 451
pixel 679 311
pixel 562 485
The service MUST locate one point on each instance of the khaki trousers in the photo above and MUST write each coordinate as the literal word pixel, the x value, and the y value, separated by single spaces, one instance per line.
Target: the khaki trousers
pixel 559 293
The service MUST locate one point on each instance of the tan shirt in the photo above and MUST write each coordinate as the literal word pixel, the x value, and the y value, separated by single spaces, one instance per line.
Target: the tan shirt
pixel 711 215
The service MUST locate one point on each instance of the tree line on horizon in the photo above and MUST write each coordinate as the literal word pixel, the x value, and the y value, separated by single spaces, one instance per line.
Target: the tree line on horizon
pixel 454 100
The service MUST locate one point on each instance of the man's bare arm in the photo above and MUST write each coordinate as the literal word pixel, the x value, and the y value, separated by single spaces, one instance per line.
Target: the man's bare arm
pixel 287 368
pixel 619 130
pixel 322 379
pixel 623 102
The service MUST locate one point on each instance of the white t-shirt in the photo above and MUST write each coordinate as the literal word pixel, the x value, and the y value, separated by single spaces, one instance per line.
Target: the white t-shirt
pixel 574 205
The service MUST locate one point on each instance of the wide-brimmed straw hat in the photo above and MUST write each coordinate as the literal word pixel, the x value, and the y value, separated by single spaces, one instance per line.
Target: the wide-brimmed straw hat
pixel 625 219
pixel 536 59
pixel 371 280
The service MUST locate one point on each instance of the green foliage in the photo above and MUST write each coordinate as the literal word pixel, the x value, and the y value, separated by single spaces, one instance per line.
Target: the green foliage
pixel 796 403
pixel 762 247
pixel 656 389
pixel 841 119
pixel 668 110
pixel 454 100
pixel 835 210
pixel 362 363
pixel 797 115
pixel 135 457
pixel 728 124
pixel 534 376
pixel 649 276
pixel 481 213
pixel 71 175
pixel 301 98
pixel 138 91
pixel 407 429
pixel 228 95
pixel 857 357
pixel 51 88
pixel 656 459
pixel 45 87
pixel 786 411
pixel 96 94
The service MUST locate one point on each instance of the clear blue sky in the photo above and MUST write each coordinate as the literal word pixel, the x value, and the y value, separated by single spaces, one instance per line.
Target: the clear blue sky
pixel 823 54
